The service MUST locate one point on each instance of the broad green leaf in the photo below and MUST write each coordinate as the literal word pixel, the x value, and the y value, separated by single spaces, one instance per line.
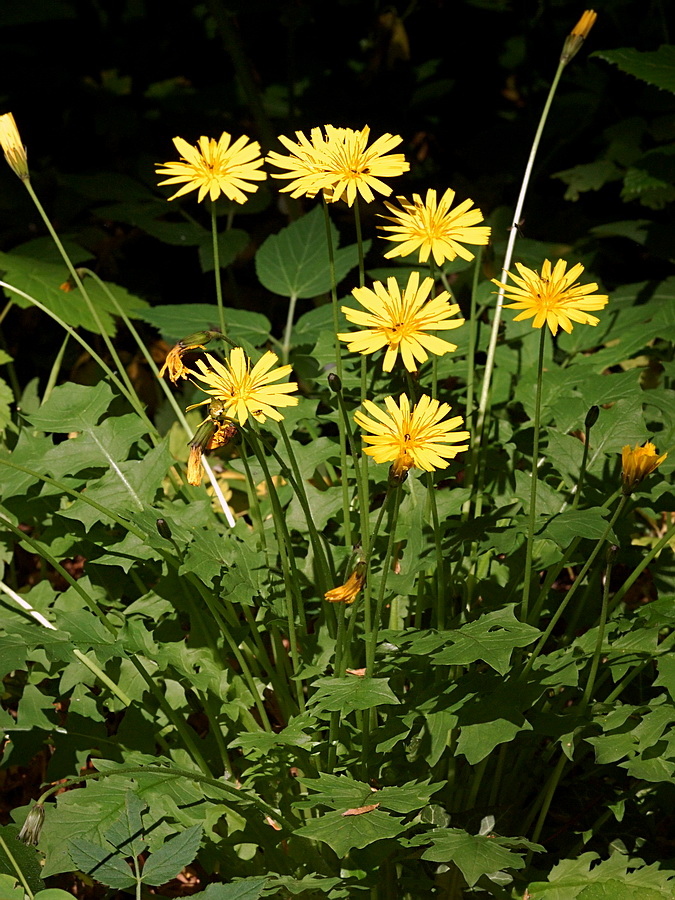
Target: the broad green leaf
pixel 588 177
pixel 492 638
pixel 126 833
pixel 294 262
pixel 10 889
pixel 176 853
pixel 230 244
pixel 100 863
pixel 245 889
pixel 344 833
pixel 573 523
pixel 656 67
pixel 73 407
pixel 52 894
pixel 183 319
pixel 338 791
pixel 95 447
pixel 474 855
pixel 617 890
pixel 43 280
pixel 26 858
pixel 347 694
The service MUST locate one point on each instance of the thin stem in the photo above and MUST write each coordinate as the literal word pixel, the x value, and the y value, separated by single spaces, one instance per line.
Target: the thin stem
pixel 56 368
pixel 371 639
pixel 590 684
pixel 288 330
pixel 633 577
pixel 216 267
pixel 494 335
pixel 359 241
pixel 533 486
pixel 547 799
pixel 17 868
pixel 473 336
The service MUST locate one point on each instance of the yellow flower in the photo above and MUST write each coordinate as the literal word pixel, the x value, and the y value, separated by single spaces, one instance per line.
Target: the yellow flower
pixel 354 168
pixel 552 297
pixel 245 390
pixel 578 35
pixel 173 364
pixel 401 322
pixel 306 164
pixel 347 593
pixel 432 227
pixel 215 168
pixel 339 163
pixel 420 433
pixel 637 464
pixel 14 150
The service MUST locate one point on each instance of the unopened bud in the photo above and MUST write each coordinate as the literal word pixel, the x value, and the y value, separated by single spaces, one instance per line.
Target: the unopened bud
pixel 578 35
pixel 592 417
pixel 30 833
pixel 334 383
pixel 14 150
pixel 163 529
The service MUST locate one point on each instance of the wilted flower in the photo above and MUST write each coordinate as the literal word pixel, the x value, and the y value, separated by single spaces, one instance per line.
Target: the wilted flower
pixel 30 833
pixel 215 168
pixel 401 434
pixel 637 464
pixel 553 298
pixel 401 321
pixel 347 592
pixel 433 228
pixel 173 364
pixel 14 150
pixel 244 390
pixel 210 434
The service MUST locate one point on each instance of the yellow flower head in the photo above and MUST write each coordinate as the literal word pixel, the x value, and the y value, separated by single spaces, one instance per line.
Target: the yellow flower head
pixel 553 298
pixel 432 227
pixel 341 164
pixel 637 464
pixel 306 165
pixel 420 433
pixel 578 35
pixel 14 150
pixel 347 593
pixel 215 168
pixel 244 390
pixel 401 321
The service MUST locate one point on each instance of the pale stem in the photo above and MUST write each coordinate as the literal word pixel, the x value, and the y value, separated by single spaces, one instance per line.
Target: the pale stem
pixel 216 267
pixel 286 346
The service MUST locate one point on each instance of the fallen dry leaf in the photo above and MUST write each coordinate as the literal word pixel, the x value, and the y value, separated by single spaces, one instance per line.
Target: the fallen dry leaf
pixel 360 810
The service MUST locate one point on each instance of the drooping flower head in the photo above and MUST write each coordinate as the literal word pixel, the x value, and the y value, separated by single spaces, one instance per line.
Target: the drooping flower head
pixel 637 464
pixel 401 321
pixel 14 150
pixel 348 592
pixel 434 228
pixel 244 390
pixel 553 298
pixel 340 164
pixel 174 365
pixel 215 168
pixel 422 433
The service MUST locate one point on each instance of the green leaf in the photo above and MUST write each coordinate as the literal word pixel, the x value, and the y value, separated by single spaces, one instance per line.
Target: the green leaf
pixel 294 262
pixel 347 694
pixel 182 319
pixel 51 894
pixel 230 244
pixel 10 889
pixel 73 407
pixel 172 856
pixel 101 864
pixel 125 833
pixel 474 855
pixel 344 833
pixel 26 858
pixel 588 177
pixel 43 281
pixel 587 523
pixel 656 67
pixel 245 889
pixel 492 638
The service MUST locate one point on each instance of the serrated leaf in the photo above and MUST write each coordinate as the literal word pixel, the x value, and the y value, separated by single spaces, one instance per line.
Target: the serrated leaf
pixel 182 319
pixel 492 638
pixel 126 832
pixel 345 833
pixel 474 855
pixel 352 693
pixel 656 67
pixel 294 262
pixel 586 523
pixel 42 280
pixel 73 407
pixel 245 889
pixel 172 856
pixel 100 863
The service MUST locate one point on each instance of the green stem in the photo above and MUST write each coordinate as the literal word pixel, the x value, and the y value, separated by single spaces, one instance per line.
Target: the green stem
pixel 494 335
pixel 56 368
pixel 590 684
pixel 288 330
pixel 442 587
pixel 17 868
pixel 216 267
pixel 371 639
pixel 238 795
pixel 473 337
pixel 524 611
pixel 359 241
pixel 572 591
pixel 642 565
pixel 547 799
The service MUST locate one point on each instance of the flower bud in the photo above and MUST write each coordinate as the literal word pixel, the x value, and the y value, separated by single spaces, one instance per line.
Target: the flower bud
pixel 578 35
pixel 30 833
pixel 637 464
pixel 592 417
pixel 14 150
pixel 334 382
pixel 163 529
